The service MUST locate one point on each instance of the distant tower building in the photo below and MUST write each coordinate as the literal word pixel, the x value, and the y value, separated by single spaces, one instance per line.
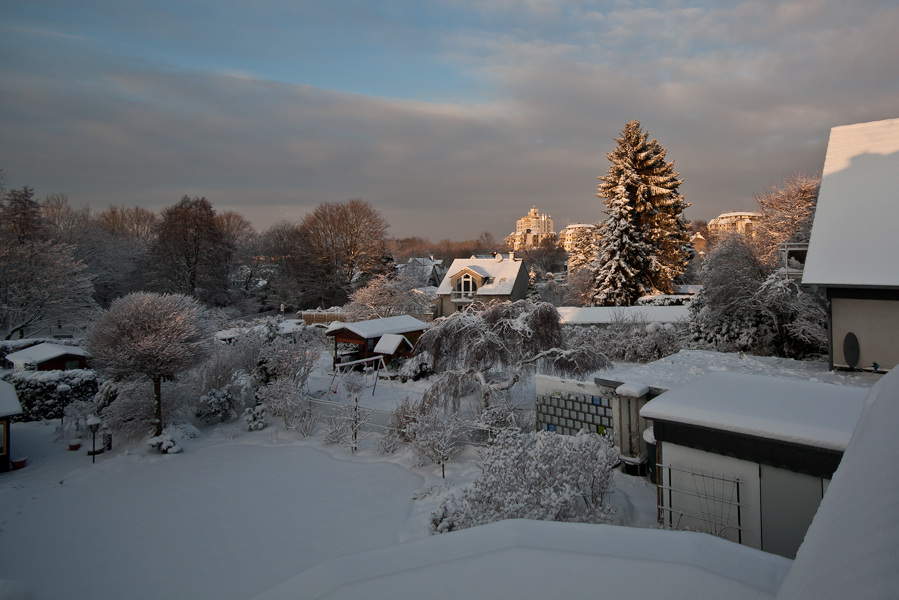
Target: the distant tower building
pixel 531 230
pixel 739 222
pixel 566 236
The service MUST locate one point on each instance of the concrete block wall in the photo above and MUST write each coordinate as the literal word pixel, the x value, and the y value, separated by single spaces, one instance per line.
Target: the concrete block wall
pixel 566 407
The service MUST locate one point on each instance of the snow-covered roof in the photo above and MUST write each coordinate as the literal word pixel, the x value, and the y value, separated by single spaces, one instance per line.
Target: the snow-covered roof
pixel 389 343
pixel 9 401
pixel 733 215
pixel 594 315
pixel 809 413
pixel 854 241
pixel 577 225
pixel 291 326
pixel 380 327
pixel 230 334
pixel 687 289
pixel 689 365
pixel 852 545
pixel 503 273
pixel 41 353
pixel 518 558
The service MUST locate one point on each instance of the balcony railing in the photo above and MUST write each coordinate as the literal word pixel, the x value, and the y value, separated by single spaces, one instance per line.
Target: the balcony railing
pixel 792 259
pixel 464 296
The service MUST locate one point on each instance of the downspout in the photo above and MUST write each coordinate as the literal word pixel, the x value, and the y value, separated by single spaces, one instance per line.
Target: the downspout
pixel 827 310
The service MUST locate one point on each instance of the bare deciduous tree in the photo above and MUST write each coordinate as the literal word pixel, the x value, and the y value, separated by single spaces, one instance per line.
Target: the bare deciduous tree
pixel 387 296
pixel 786 213
pixel 347 239
pixel 190 255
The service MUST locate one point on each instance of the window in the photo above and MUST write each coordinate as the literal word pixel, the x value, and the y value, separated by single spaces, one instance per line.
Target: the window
pixel 467 285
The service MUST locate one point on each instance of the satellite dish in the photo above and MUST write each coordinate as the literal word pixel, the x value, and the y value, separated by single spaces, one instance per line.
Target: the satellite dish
pixel 851 351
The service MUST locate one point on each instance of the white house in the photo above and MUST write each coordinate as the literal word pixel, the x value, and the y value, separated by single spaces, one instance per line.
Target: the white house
pixel 484 279
pixel 852 253
pixel 749 457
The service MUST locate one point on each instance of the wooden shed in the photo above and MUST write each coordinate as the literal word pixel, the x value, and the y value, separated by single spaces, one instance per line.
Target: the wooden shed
pixel 49 357
pixel 366 335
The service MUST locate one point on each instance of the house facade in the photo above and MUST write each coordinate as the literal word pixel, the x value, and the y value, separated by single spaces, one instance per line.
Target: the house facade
pixel 851 263
pixel 566 236
pixel 482 279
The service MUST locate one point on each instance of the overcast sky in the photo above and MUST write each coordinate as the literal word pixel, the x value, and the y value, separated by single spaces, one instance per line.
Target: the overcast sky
pixel 451 118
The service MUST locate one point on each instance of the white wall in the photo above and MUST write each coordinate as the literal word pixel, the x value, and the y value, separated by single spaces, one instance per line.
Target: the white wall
pixel 720 466
pixel 876 325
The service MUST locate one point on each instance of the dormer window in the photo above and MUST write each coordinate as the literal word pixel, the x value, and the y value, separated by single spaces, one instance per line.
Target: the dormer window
pixel 467 284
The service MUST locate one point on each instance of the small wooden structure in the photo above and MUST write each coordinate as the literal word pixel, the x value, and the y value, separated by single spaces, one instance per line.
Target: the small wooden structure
pixel 9 407
pixel 49 357
pixel 366 335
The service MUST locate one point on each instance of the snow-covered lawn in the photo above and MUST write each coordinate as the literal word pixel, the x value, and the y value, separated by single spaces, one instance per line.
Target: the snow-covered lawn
pixel 230 517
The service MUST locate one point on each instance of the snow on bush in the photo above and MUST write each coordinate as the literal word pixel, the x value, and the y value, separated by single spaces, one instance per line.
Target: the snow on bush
pixel 744 306
pixel 541 476
pixel 217 404
pixel 631 340
pixel 165 443
pixel 346 426
pixel 436 436
pixel 39 394
pixel 664 300
pixel 255 418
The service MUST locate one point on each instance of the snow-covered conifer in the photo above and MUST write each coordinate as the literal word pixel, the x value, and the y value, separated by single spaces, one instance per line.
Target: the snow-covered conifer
pixel 583 248
pixel 644 241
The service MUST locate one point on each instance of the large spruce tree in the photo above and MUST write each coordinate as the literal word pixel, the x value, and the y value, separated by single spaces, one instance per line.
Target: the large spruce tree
pixel 644 241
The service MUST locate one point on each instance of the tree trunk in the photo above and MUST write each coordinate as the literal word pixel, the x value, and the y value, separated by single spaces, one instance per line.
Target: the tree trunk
pixel 157 395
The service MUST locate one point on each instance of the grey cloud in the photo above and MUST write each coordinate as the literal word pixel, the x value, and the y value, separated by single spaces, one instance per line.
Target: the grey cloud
pixel 740 96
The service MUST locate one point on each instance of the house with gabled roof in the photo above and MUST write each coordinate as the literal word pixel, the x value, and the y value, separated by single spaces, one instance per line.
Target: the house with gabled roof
pixel 49 357
pixel 482 279
pixel 375 337
pixel 851 263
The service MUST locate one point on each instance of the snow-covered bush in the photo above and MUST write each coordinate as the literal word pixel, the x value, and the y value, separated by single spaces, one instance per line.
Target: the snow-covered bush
pixel 664 300
pixel 436 437
pixel 255 418
pixel 389 442
pixel 217 404
pixel 497 416
pixel 743 306
pixel 632 340
pixel 542 476
pixel 165 443
pixel 347 425
pixel 404 414
pixel 39 394
pixel 74 423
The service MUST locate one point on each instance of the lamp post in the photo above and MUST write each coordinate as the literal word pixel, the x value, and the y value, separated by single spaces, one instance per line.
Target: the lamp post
pixel 63 390
pixel 94 424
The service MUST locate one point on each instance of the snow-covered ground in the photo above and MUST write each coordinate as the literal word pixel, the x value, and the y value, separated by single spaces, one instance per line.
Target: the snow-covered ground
pixel 236 514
